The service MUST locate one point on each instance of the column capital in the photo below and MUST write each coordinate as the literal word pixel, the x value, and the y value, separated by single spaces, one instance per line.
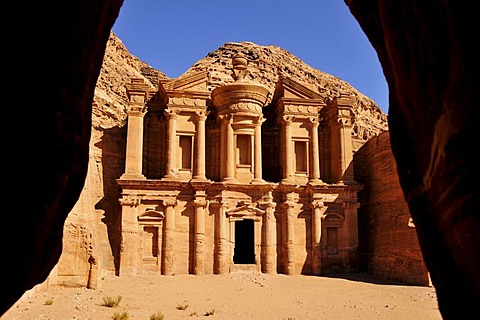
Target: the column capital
pixel 316 204
pixel 259 120
pixel 350 205
pixel 200 202
pixel 169 202
pixel 136 109
pixel 171 113
pixel 267 205
pixel 287 119
pixel 130 202
pixel 202 115
pixel 313 121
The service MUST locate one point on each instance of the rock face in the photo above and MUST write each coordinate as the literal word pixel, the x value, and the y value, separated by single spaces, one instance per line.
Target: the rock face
pixel 388 240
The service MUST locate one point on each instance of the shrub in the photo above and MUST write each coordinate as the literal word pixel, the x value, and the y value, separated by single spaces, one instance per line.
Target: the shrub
pixel 157 316
pixel 111 301
pixel 183 305
pixel 210 313
pixel 121 316
pixel 49 302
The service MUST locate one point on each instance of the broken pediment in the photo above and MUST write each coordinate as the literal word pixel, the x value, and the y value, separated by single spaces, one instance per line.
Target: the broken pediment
pixel 196 82
pixel 188 90
pixel 291 89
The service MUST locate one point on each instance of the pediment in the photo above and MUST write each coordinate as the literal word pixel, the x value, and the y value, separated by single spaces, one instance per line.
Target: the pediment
pixel 245 211
pixel 291 89
pixel 333 216
pixel 196 82
pixel 151 216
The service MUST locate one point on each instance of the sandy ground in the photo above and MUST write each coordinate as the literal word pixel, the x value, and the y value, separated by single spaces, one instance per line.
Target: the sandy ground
pixel 243 295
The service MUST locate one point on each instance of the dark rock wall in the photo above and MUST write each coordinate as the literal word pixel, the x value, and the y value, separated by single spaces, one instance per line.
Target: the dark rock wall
pixel 431 66
pixel 54 52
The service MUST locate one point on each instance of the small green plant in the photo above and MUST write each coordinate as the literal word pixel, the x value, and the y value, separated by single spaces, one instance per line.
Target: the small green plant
pixel 49 302
pixel 111 301
pixel 157 316
pixel 183 305
pixel 121 316
pixel 211 312
pixel 193 314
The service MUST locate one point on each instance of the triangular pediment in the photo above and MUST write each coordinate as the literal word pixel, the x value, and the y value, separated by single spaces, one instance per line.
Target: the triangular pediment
pixel 291 89
pixel 196 82
pixel 245 211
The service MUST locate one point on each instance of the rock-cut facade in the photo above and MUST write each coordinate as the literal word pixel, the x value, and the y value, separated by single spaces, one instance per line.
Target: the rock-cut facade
pixel 238 177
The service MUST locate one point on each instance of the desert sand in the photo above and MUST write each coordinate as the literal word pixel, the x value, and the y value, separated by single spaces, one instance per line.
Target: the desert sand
pixel 242 295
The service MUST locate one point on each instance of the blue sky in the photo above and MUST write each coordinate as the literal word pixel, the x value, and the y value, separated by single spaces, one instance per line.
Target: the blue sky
pixel 171 35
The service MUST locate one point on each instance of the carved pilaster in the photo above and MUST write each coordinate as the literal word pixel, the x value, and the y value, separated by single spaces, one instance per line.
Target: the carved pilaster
pixel 171 116
pixel 317 215
pixel 222 257
pixel 199 162
pixel 169 237
pixel 258 151
pixel 137 92
pixel 129 240
pixel 269 248
pixel 289 206
pixel 200 203
pixel 314 176
pixel 287 151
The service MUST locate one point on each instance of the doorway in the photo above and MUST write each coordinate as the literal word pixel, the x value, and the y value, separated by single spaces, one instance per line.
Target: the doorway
pixel 244 252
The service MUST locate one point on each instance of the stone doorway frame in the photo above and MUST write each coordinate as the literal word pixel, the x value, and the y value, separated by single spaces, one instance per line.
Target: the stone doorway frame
pixel 242 213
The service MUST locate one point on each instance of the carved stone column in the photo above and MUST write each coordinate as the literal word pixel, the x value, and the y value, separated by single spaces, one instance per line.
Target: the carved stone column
pixel 129 257
pixel 257 167
pixel 343 105
pixel 171 144
pixel 223 145
pixel 200 204
pixel 222 242
pixel 287 150
pixel 199 163
pixel 269 252
pixel 290 235
pixel 169 237
pixel 230 151
pixel 315 166
pixel 317 206
pixel 346 157
pixel 137 92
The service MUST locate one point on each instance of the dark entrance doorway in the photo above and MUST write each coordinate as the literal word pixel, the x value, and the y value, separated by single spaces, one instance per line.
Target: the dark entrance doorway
pixel 244 252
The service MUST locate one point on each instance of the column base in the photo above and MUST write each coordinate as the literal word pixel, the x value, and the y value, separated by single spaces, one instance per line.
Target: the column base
pixel 289 180
pixel 316 182
pixel 229 180
pixel 200 179
pixel 132 176
pixel 258 181
pixel 171 177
